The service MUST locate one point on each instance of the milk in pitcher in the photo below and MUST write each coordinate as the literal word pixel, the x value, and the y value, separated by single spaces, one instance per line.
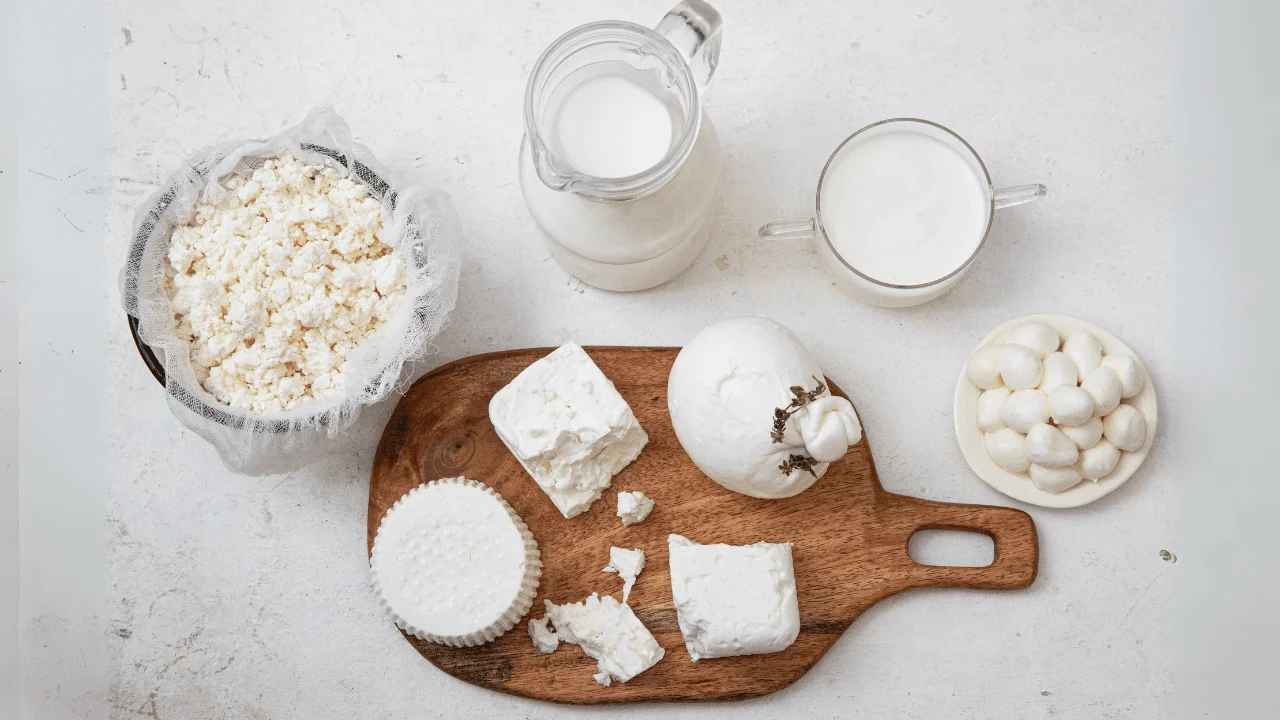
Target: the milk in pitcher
pixel 620 165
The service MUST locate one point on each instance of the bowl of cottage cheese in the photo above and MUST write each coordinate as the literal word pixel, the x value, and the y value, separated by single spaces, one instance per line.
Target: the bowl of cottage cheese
pixel 277 287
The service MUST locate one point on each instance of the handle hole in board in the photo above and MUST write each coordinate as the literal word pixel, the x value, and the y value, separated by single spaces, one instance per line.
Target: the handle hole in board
pixel 951 548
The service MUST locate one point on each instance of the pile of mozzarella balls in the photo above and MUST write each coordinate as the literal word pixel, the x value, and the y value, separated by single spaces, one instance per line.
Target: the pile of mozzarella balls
pixel 1056 415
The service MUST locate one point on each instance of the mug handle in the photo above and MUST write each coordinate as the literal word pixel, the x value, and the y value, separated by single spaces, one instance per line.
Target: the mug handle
pixel 1002 198
pixel 1008 197
pixel 788 229
pixel 693 27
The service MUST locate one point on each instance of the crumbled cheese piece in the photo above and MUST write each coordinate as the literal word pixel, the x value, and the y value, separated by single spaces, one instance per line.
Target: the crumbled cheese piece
pixel 276 284
pixel 627 564
pixel 633 507
pixel 734 599
pixel 544 638
pixel 610 633
pixel 568 426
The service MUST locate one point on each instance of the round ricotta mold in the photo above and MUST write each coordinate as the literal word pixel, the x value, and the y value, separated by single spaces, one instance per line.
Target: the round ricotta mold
pixel 454 564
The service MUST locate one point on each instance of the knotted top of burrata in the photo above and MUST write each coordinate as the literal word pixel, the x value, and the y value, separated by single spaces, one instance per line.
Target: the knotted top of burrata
pixel 751 407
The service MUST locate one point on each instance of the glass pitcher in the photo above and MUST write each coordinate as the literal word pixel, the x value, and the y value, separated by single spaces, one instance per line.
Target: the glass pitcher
pixel 619 165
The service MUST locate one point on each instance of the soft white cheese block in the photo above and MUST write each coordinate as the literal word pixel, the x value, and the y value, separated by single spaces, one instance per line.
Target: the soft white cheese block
pixel 734 599
pixel 453 563
pixel 610 633
pixel 627 564
pixel 568 426
pixel 633 507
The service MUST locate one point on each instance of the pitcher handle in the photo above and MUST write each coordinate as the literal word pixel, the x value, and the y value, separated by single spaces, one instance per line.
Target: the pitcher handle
pixel 693 27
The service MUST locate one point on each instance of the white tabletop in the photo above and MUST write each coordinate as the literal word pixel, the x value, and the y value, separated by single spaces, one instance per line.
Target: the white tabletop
pixel 247 597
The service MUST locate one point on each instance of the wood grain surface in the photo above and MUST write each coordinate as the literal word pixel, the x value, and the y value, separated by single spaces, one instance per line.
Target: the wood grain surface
pixel 850 536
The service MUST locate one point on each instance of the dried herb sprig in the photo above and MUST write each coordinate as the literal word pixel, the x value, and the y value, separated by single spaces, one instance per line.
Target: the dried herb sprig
pixel 801 398
pixel 800 462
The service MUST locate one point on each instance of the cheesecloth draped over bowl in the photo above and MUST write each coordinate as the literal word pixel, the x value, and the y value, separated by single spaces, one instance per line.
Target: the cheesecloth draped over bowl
pixel 421 226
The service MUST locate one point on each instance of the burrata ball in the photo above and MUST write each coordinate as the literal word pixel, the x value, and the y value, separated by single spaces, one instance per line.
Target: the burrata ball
pixel 1008 449
pixel 746 406
pixel 1126 428
pixel 1059 371
pixel 983 367
pixel 1020 366
pixel 1037 335
pixel 1054 480
pixel 1132 378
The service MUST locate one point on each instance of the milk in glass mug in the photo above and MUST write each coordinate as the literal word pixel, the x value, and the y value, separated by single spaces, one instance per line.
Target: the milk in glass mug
pixel 902 209
pixel 620 165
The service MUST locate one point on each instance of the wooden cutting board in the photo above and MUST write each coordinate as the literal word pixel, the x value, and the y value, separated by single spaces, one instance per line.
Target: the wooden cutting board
pixel 850 536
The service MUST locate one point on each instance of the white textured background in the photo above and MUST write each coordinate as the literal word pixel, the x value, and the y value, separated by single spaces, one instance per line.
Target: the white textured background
pixel 247 598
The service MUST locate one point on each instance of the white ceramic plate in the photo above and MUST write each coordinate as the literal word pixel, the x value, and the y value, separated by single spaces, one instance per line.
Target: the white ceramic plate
pixel 1019 487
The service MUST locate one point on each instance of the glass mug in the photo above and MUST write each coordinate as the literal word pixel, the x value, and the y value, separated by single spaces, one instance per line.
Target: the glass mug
pixel 858 281
pixel 641 227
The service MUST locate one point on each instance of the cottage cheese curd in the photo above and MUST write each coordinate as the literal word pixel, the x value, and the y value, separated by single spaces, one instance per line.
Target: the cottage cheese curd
pixel 279 281
pixel 568 426
pixel 734 599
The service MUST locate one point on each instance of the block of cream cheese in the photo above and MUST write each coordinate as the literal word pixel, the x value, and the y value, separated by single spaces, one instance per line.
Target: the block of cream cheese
pixel 734 599
pixel 610 633
pixel 568 426
pixel 454 564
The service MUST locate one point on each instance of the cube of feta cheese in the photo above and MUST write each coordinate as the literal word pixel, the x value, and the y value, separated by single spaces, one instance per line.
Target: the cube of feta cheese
pixel 633 507
pixel 734 599
pixel 610 633
pixel 568 426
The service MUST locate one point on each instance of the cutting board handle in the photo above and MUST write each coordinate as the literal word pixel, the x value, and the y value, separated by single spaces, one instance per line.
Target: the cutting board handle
pixel 1013 532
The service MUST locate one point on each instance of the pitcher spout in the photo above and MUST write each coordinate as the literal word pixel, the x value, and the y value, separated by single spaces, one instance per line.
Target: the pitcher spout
pixel 544 164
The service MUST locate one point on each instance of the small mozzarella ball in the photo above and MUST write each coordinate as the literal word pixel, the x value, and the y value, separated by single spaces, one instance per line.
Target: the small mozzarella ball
pixel 1085 350
pixel 989 404
pixel 1020 367
pixel 1131 376
pixel 1084 436
pixel 1025 408
pixel 1070 405
pixel 1038 336
pixel 1008 449
pixel 1054 480
pixel 1098 461
pixel 1047 446
pixel 1104 385
pixel 1126 428
pixel 983 367
pixel 1059 370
